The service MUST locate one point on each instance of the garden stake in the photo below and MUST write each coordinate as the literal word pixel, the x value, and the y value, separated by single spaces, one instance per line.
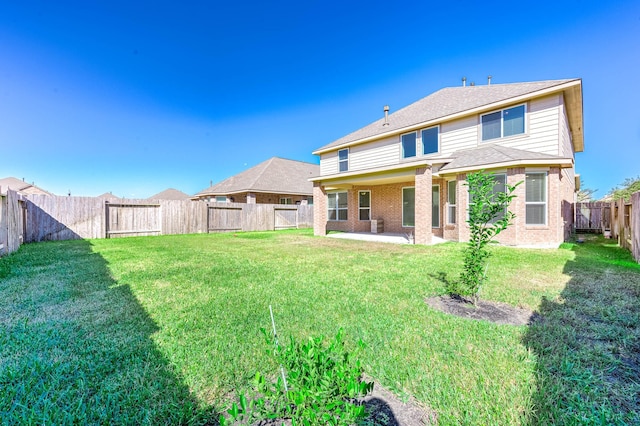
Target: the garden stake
pixel 275 339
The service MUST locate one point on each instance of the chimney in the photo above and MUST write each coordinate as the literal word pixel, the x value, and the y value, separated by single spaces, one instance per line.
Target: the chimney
pixel 464 81
pixel 386 115
pixel 489 81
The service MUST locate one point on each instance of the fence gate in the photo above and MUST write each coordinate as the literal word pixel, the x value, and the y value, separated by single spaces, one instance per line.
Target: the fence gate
pixel 222 218
pixel 126 220
pixel 285 218
pixel 593 217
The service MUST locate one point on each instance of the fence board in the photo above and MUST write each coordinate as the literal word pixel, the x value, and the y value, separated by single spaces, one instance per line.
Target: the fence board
pixel 285 218
pixel 593 217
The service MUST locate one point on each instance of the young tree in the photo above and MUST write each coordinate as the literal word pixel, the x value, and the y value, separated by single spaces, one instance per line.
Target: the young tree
pixel 626 188
pixel 488 216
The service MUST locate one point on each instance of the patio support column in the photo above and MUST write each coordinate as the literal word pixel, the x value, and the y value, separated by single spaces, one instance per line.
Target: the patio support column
pixel 423 225
pixel 319 209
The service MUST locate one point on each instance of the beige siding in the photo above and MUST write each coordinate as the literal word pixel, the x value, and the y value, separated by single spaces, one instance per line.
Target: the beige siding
pixel 329 163
pixel 459 134
pixel 566 147
pixel 542 125
pixel 375 154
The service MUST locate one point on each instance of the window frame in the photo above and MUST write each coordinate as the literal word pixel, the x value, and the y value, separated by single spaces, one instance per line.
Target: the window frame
pixel 415 145
pixel 506 181
pixel 360 208
pixel 414 207
pixel 437 127
pixel 439 206
pixel 285 199
pixel 452 208
pixel 344 161
pixel 501 111
pixel 337 207
pixel 219 199
pixel 544 203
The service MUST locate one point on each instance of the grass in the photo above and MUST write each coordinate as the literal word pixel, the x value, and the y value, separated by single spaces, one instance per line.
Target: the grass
pixel 164 330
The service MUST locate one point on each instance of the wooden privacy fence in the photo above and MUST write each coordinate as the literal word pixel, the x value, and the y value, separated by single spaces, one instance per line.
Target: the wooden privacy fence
pixel 593 217
pixel 12 222
pixel 625 224
pixel 49 217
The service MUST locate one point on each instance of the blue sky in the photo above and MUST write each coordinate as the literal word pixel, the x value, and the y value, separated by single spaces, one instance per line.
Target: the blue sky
pixel 137 97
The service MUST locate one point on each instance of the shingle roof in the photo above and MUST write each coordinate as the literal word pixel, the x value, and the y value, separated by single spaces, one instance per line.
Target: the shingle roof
pixel 492 155
pixel 21 186
pixel 170 194
pixel 108 196
pixel 446 102
pixel 276 175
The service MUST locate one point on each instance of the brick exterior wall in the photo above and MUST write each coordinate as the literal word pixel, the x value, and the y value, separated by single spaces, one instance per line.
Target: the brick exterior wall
pixel 386 204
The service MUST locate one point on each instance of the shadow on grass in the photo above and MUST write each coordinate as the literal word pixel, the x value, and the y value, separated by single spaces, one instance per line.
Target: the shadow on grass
pixel 587 342
pixel 76 346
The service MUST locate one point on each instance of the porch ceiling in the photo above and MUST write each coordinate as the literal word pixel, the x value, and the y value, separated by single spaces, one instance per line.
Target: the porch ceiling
pixel 371 180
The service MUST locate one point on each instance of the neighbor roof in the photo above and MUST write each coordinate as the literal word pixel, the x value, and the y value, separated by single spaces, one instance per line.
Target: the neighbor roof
pixel 499 156
pixel 276 175
pixel 20 186
pixel 170 194
pixel 453 101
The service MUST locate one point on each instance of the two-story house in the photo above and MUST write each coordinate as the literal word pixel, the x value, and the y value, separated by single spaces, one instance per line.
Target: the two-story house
pixel 408 169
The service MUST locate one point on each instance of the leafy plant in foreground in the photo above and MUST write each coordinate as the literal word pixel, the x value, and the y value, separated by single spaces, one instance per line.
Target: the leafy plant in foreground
pixel 488 216
pixel 322 386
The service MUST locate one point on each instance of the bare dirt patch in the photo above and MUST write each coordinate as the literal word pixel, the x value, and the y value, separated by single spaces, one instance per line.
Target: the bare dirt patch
pixel 495 312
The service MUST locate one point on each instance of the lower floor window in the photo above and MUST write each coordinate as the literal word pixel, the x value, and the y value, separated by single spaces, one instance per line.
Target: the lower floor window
pixel 536 198
pixel 286 200
pixel 337 206
pixel 364 200
pixel 409 206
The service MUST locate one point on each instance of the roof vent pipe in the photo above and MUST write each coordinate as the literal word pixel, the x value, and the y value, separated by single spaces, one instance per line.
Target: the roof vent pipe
pixel 472 84
pixel 489 81
pixel 386 115
pixel 464 81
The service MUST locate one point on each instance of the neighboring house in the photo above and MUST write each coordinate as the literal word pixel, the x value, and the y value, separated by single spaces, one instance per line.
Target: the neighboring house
pixel 108 196
pixel 408 169
pixel 20 186
pixel 170 194
pixel 275 181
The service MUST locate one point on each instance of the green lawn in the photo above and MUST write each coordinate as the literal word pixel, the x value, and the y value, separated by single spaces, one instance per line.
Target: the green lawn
pixel 163 330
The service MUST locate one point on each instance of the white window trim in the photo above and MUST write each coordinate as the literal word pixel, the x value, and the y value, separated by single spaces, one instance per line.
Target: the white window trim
pixel 286 198
pixel 455 206
pixel 414 208
pixel 422 141
pixel 402 156
pixel 364 208
pixel 501 111
pixel 341 161
pixel 538 203
pixel 439 207
pixel 337 209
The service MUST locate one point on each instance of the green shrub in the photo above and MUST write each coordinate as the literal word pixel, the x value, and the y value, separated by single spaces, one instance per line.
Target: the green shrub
pixel 322 385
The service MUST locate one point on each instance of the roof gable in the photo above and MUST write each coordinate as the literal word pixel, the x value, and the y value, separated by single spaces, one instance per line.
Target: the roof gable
pixel 170 194
pixel 275 175
pixel 444 104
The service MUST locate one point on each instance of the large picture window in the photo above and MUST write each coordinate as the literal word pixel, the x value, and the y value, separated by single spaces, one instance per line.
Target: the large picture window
pixel 364 205
pixel 343 160
pixel 536 198
pixel 337 206
pixel 499 186
pixel 409 145
pixel 504 123
pixel 409 206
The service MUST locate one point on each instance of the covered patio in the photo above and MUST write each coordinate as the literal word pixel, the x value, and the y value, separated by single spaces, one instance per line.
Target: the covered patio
pixel 386 237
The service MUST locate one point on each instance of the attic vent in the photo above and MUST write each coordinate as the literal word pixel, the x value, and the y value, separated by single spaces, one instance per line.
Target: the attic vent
pixel 386 115
pixel 464 81
pixel 489 80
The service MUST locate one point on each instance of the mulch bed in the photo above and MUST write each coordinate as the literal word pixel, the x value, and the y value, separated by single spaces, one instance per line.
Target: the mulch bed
pixel 496 312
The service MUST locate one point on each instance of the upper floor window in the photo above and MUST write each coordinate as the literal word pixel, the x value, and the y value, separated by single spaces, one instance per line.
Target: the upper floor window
pixel 343 160
pixel 503 123
pixel 430 141
pixel 409 145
